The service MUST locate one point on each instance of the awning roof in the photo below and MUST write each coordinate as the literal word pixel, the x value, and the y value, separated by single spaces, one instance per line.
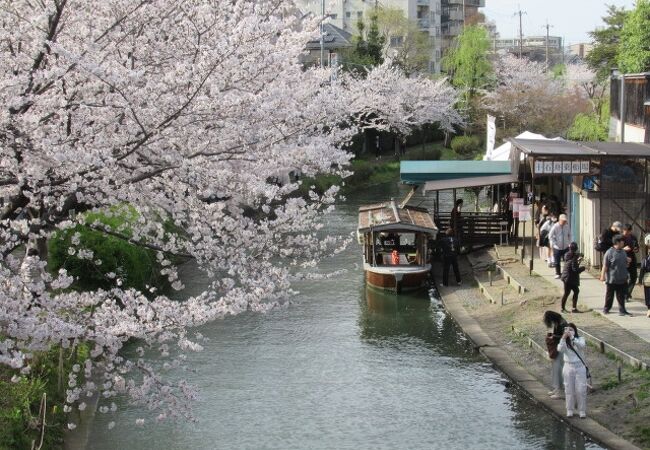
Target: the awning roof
pixel 574 149
pixel 418 172
pixel 386 216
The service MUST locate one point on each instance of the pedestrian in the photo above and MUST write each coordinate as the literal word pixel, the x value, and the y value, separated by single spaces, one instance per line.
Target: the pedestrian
pixel 614 274
pixel 574 372
pixel 560 237
pixel 556 324
pixel 644 275
pixel 544 231
pixel 450 248
pixel 604 242
pixel 456 221
pixel 631 247
pixel 402 146
pixel 571 277
pixel 542 238
pixel 377 148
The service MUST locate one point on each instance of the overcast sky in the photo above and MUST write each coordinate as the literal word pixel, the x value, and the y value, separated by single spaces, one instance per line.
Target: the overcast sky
pixel 571 19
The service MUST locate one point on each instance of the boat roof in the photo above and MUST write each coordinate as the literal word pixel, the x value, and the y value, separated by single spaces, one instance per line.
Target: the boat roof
pixel 389 216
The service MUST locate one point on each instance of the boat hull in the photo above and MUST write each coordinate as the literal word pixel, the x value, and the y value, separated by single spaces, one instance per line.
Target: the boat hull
pixel 397 281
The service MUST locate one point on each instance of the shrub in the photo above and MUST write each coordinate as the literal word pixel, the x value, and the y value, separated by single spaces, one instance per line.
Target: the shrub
pixel 466 147
pixel 587 127
pixel 136 266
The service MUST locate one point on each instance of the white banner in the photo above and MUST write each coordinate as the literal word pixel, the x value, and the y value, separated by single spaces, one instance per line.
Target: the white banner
pixel 491 136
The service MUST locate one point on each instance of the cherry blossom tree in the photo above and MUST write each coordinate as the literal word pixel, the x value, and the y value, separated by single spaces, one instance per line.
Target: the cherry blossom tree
pixel 581 78
pixel 530 98
pixel 184 112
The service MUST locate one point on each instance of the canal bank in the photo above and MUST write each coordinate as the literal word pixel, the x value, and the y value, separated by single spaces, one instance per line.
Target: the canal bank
pixel 501 354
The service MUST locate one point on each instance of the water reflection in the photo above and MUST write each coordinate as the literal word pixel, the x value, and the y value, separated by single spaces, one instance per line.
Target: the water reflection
pixel 411 317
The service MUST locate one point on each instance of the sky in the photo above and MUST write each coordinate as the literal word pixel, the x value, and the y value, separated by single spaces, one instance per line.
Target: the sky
pixel 570 19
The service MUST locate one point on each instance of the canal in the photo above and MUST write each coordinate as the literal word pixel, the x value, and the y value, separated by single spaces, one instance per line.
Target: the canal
pixel 343 368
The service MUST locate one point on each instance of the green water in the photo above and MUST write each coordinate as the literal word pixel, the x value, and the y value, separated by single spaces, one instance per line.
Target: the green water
pixel 343 368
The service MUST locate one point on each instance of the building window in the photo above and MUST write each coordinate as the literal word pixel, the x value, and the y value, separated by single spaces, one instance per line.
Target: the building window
pixel 396 41
pixel 359 14
pixel 348 14
pixel 333 16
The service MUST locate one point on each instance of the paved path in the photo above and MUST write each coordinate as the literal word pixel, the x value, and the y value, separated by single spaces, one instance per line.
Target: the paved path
pixel 592 294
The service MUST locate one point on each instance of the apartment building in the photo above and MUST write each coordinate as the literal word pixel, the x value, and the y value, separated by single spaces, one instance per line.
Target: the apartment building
pixel 441 20
pixel 454 13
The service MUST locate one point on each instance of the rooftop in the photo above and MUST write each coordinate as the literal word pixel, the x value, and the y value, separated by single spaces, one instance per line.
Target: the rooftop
pixel 537 147
pixel 389 216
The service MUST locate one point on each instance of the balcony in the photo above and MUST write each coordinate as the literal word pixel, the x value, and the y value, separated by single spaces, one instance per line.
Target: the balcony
pixel 450 30
pixel 424 23
pixel 474 3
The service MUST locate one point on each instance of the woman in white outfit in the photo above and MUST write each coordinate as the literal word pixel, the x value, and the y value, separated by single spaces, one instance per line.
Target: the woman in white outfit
pixel 571 347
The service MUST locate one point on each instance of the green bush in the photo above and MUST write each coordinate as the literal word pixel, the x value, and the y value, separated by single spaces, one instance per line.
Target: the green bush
pixel 466 147
pixel 20 401
pixel 430 152
pixel 136 266
pixel 587 127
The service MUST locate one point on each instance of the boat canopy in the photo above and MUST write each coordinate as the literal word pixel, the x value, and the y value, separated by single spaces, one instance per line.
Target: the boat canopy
pixel 440 175
pixel 389 216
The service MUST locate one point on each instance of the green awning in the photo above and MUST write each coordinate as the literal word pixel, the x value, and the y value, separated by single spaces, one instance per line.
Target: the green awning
pixel 418 172
pixel 439 175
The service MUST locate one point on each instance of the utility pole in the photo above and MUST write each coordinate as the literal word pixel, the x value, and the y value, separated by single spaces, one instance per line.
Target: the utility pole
pixel 464 16
pixel 521 32
pixel 547 26
pixel 322 33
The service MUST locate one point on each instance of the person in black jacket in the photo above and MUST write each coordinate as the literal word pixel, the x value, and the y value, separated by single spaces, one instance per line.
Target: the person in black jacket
pixel 449 246
pixel 556 324
pixel 605 238
pixel 571 276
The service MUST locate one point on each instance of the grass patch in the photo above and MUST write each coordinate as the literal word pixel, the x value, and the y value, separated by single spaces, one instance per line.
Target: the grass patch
pixel 20 401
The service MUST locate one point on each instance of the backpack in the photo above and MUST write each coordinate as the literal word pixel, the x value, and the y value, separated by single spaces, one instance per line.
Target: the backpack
pixel 598 244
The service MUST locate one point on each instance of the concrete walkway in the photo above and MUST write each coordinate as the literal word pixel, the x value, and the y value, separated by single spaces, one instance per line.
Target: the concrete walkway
pixel 592 295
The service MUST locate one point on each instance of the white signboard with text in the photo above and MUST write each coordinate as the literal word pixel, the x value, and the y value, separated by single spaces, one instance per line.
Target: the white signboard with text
pixel 561 167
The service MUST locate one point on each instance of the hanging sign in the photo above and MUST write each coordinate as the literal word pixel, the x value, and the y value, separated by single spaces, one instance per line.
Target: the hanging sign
pixel 584 166
pixel 517 205
pixel 575 167
pixel 525 213
pixel 539 167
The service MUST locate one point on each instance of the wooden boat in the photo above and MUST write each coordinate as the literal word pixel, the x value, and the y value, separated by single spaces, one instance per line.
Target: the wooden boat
pixel 395 245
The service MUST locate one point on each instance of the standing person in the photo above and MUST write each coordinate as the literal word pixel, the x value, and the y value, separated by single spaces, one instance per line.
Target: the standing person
pixel 571 277
pixel 631 247
pixel 542 238
pixel 644 276
pixel 450 247
pixel 560 237
pixel 544 231
pixel 402 146
pixel 571 349
pixel 605 239
pixel 377 148
pixel 556 324
pixel 614 274
pixel 456 221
